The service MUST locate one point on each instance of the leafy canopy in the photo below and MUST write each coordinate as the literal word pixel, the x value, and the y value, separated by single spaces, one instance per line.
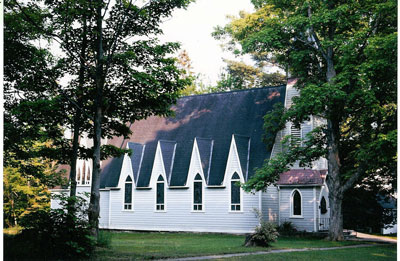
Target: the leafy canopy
pixel 357 40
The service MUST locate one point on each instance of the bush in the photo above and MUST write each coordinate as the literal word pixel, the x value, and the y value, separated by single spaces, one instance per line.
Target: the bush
pixel 54 233
pixel 104 238
pixel 264 235
pixel 287 229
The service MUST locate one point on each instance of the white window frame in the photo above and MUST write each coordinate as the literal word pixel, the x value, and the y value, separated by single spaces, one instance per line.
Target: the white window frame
pixel 292 215
pixel 162 206
pixel 195 206
pixel 240 205
pixel 127 205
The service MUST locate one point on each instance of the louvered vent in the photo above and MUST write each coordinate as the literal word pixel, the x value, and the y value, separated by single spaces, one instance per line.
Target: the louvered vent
pixel 296 134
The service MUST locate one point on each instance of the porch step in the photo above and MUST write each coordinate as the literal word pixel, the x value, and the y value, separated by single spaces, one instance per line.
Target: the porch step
pixel 349 234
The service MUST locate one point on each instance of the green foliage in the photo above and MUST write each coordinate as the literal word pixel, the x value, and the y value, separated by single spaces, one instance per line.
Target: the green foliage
pixel 25 185
pixel 104 239
pixel 346 70
pixel 239 76
pixel 48 234
pixel 265 234
pixel 287 229
pixel 363 212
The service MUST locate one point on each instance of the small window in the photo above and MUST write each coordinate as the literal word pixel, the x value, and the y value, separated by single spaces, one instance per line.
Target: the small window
pixel 198 193
pixel 296 203
pixel 235 193
pixel 323 206
pixel 160 194
pixel 128 194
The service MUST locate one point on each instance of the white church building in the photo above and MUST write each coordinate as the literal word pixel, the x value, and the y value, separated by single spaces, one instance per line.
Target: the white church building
pixel 183 171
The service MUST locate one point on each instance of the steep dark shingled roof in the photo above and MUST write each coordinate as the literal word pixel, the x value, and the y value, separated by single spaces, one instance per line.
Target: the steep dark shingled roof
pixel 302 177
pixel 168 153
pixel 136 157
pixel 205 148
pixel 213 116
pixel 113 170
pixel 242 145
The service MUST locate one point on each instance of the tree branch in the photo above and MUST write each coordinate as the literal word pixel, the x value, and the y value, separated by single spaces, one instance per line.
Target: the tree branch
pixel 314 35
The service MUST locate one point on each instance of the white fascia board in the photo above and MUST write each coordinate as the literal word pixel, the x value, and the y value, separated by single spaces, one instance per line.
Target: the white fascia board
pixel 195 158
pixel 158 161
pixel 232 154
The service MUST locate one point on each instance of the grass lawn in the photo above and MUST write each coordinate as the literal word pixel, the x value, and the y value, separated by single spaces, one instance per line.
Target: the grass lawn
pixel 364 253
pixel 139 246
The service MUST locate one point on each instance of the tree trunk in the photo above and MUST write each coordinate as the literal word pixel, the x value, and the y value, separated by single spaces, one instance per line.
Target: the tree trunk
pixel 333 177
pixel 77 118
pixel 336 218
pixel 94 206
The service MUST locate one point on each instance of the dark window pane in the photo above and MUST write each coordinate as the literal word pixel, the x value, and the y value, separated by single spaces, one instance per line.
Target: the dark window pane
pixel 129 178
pixel 197 192
pixel 235 176
pixel 235 193
pixel 323 206
pixel 199 207
pixel 237 207
pixel 198 177
pixel 160 193
pixel 232 207
pixel 128 192
pixel 160 178
pixel 162 207
pixel 296 203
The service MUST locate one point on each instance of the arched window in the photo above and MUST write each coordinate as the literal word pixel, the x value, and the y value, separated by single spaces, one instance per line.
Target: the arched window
pixel 83 173
pixel 78 176
pixel 323 205
pixel 160 194
pixel 128 193
pixel 296 203
pixel 235 192
pixel 198 193
pixel 88 177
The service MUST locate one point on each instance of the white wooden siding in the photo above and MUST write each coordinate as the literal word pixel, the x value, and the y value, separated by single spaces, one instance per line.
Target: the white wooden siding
pixel 179 216
pixel 308 202
pixel 104 208
pixel 270 204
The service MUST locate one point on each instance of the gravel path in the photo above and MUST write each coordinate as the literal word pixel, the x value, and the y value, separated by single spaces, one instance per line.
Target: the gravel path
pixel 267 252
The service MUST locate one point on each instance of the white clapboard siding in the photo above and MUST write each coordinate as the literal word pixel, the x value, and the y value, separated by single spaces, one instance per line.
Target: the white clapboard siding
pixel 179 216
pixel 104 208
pixel 308 202
pixel 290 93
pixel 270 204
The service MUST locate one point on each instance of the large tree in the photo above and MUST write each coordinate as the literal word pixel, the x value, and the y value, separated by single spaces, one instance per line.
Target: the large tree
pixel 118 71
pixel 344 55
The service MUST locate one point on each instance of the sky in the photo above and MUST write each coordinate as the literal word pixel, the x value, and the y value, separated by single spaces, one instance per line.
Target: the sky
pixel 193 27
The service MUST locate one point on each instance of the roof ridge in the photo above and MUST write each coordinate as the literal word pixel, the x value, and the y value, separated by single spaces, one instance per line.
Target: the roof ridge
pixel 232 91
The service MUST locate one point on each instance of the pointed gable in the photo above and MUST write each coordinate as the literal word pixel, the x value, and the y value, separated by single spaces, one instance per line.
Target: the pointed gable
pixel 216 117
pixel 168 153
pixel 243 149
pixel 136 158
pixel 205 147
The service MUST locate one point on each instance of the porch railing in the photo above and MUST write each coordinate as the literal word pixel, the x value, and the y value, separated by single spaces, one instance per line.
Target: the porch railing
pixel 323 224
